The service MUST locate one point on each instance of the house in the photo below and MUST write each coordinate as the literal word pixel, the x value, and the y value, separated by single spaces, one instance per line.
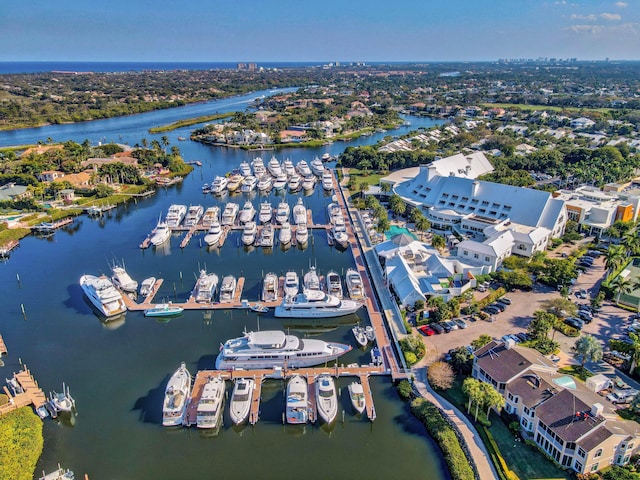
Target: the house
pixel 50 175
pixel 12 191
pixel 581 123
pixel 67 195
pixel 292 136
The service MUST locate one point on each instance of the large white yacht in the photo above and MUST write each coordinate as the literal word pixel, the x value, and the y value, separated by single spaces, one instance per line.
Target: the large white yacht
pixel 327 180
pixel 265 184
pixel 302 234
pixel 194 214
pixel 280 182
pixel 295 182
pixel 227 289
pixel 230 213
pixel 356 392
pixel 245 169
pixel 219 185
pixel 241 398
pixel 326 398
pixel 354 284
pixel 266 236
pixel 303 169
pixel 285 234
pixel 270 287
pixel 334 212
pixel 235 180
pixel 297 406
pixel 315 304
pixel 311 281
pixel 249 184
pixel 317 167
pixel 175 215
pixel 103 295
pixel 249 233
pixel 339 233
pixel 160 234
pixel 266 212
pixel 258 167
pixel 282 214
pixel 291 284
pixel 288 168
pixel 205 287
pixel 122 280
pixel 299 212
pixel 274 348
pixel 247 213
pixel 176 396
pixel 210 215
pixel 274 167
pixel 209 411
pixel 214 234
pixel 309 182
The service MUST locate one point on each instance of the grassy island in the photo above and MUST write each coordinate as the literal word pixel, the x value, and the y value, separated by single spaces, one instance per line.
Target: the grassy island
pixel 21 443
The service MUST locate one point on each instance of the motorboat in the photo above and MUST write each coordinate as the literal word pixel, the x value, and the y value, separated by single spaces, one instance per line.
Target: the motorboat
pixel 214 234
pixel 294 183
pixel 317 167
pixel 210 215
pixel 227 289
pixel 274 348
pixel 257 165
pixel 291 284
pixel 249 233
pixel 333 213
pixel 219 185
pixel 274 167
pixel 259 308
pixel 326 157
pixel 265 184
pixel 247 213
pixel 356 393
pixel 280 182
pixel 327 180
pixel 376 356
pixel 241 398
pixel 340 235
pixel 194 214
pixel 266 212
pixel 62 401
pixel 245 169
pixel 230 213
pixel 315 304
pixel 308 182
pixel 163 310
pixel 206 188
pixel 211 403
pixel 175 215
pixel 160 234
pixel 285 234
pixel 370 333
pixel 302 234
pixel 354 284
pixel 267 235
pixel 299 212
pixel 249 184
pixel 270 288
pixel 334 284
pixel 103 295
pixel 326 398
pixel 360 335
pixel 234 182
pixel 59 474
pixel 176 397
pixel 282 214
pixel 297 406
pixel 205 287
pixel 303 169
pixel 122 280
pixel 146 287
pixel 311 281
pixel 289 169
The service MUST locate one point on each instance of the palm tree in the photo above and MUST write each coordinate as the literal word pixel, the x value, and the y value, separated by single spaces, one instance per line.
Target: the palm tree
pixel 473 389
pixel 422 225
pixel 588 348
pixel 164 140
pixel 622 285
pixel 634 350
pixel 491 398
pixel 614 257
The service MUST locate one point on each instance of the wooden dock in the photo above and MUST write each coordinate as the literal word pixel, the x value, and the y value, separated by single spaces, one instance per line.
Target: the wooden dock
pixel 3 347
pixel 32 394
pixel 187 237
pixel 254 412
pixel 5 249
pixel 368 397
pixel 311 398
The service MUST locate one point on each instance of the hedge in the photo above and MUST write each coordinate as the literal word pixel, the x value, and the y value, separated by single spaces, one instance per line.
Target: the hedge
pixel 21 443
pixel 504 472
pixel 446 438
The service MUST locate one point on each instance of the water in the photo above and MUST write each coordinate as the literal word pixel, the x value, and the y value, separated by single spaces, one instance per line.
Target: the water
pixel 117 372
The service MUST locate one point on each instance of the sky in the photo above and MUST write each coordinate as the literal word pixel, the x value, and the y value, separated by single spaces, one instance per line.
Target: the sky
pixel 317 30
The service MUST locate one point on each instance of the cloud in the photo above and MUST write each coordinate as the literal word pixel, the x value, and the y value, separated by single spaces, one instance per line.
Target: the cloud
pixel 587 18
pixel 629 28
pixel 622 4
pixel 590 29
pixel 611 17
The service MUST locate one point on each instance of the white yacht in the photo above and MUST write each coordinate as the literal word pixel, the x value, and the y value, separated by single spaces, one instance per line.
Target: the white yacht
pixel 339 233
pixel 326 157
pixel 214 234
pixel 299 212
pixel 288 168
pixel 282 214
pixel 160 234
pixel 205 287
pixel 302 234
pixel 247 213
pixel 297 406
pixel 327 180
pixel 146 287
pixel 356 393
pixel 317 167
pixel 210 215
pixel 334 284
pixel 270 288
pixel 249 233
pixel 245 169
pixel 219 185
pixel 176 397
pixel 285 234
pixel 274 348
pixel 267 235
pixel 280 182
pixel 303 169
pixel 249 184
pixel 103 295
pixel 257 165
pixel 354 284
pixel 265 184
pixel 266 212
pixel 209 411
pixel 315 304
pixel 308 182
pixel 194 214
pixel 326 398
pixel 291 284
pixel 227 289
pixel 175 215
pixel 234 182
pixel 311 281
pixel 122 280
pixel 241 398
pixel 295 182
pixel 230 213
pixel 274 167
pixel 334 212
pixel 360 335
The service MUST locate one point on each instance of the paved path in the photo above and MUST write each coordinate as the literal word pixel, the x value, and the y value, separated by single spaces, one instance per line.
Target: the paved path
pixel 476 447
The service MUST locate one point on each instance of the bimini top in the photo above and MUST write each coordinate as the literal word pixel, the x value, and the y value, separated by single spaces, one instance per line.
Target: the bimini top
pixel 565 382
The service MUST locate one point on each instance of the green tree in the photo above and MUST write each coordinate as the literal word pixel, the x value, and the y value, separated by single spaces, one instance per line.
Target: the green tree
pixel 396 205
pixel 621 285
pixel 164 141
pixel 615 257
pixel 472 388
pixel 541 325
pixel 491 398
pixel 588 348
pixel 560 307
pixel 481 341
pixel 383 225
pixel 422 225
pixel 363 186
pixel 438 242
pixel 440 375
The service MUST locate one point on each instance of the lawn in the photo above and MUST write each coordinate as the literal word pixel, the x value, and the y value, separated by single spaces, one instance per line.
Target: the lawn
pixel 361 176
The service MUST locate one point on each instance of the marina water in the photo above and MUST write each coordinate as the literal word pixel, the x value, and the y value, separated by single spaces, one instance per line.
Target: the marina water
pixel 117 371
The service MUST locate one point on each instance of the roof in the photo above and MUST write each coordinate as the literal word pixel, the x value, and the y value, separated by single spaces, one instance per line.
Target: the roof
pixel 595 438
pixel 404 282
pixel 504 364
pixel 11 191
pixel 567 416
pixel 459 165
pixel 531 389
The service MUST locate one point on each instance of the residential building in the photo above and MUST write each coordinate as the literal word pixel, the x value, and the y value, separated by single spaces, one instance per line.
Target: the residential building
pixel 12 191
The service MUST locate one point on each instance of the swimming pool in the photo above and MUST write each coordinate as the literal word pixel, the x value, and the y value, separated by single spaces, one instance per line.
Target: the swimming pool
pixel 396 230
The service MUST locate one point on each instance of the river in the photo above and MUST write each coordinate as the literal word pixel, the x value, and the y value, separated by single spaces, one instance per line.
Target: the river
pixel 117 371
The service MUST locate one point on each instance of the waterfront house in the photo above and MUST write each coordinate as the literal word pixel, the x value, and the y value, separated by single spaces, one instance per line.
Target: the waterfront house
pixel 12 191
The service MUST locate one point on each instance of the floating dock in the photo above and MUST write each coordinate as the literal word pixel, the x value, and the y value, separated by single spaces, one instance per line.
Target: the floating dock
pixel 50 227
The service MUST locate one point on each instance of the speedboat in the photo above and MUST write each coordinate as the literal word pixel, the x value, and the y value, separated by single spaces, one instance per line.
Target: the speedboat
pixel 245 169
pixel 258 167
pixel 230 213
pixel 376 356
pixel 266 236
pixel 302 234
pixel 219 185
pixel 308 182
pixel 285 234
pixel 205 287
pixel 103 295
pixel 280 182
pixel 214 234
pixel 326 157
pixel 160 234
pixel 274 167
pixel 315 304
pixel 282 214
pixel 209 410
pixel 249 184
pixel 259 308
pixel 311 281
pixel 146 287
pixel 176 397
pixel 193 215
pixel 274 348
pixel 234 182
pixel 299 212
pixel 291 284
pixel 354 284
pixel 317 168
pixel 265 184
pixel 241 398
pixel 122 280
pixel 227 289
pixel 249 233
pixel 326 398
pixel 288 168
pixel 210 216
pixel 206 188
pixel 370 333
pixel 327 180
pixel 270 288
pixel 334 284
pixel 303 169
pixel 163 310
pixel 297 408
pixel 175 215
pixel 360 335
pixel 247 213
pixel 266 212
pixel 356 393
pixel 294 182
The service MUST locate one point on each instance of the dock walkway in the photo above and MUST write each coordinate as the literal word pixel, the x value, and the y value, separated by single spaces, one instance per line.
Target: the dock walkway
pixel 3 347
pixel 32 395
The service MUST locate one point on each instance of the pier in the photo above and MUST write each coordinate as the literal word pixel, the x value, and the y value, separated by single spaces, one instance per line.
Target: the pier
pixel 5 249
pixel 32 394
pixel 50 227
pixel 3 347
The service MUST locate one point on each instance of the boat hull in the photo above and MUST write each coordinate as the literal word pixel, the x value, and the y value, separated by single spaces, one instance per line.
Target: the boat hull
pixel 347 308
pixel 255 364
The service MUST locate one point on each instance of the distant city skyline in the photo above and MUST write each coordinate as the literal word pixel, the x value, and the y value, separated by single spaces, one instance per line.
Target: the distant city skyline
pixel 331 30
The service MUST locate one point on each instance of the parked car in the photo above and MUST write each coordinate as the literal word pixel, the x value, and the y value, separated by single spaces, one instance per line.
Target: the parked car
pixel 427 330
pixel 452 325
pixel 491 310
pixel 471 318
pixel 574 322
pixel 500 306
pixel 585 316
pixel 523 336
pixel 445 327
pixel 437 328
pixel 460 323
pixel 594 253
pixel 505 300
pixel 621 397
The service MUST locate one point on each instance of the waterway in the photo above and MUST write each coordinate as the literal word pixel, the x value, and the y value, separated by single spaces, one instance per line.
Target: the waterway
pixel 117 371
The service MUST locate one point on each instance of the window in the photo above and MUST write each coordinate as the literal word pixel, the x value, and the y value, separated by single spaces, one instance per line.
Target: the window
pixel 466 253
pixel 581 452
pixel 507 208
pixel 598 453
pixel 493 212
pixel 594 467
pixel 485 203
pixel 475 255
pixel 495 205
pixel 487 259
pixel 510 396
pixel 578 467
